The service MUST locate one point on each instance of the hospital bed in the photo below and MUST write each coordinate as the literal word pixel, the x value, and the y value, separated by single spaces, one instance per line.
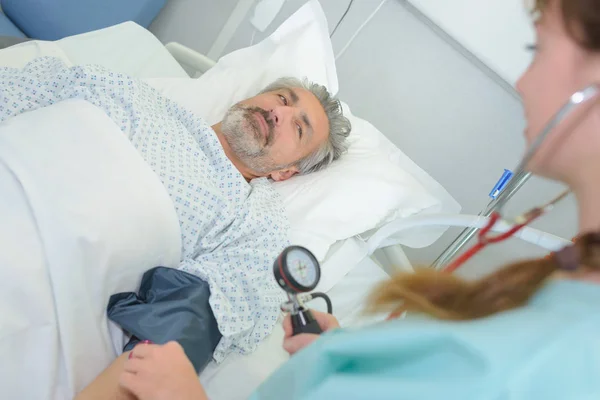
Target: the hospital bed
pixel 350 270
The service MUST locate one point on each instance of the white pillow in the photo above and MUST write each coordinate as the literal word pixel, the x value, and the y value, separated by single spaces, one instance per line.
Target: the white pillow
pixel 366 188
pixel 300 47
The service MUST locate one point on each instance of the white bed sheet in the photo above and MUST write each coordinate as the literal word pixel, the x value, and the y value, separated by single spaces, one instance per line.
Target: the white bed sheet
pixel 16 213
pixel 65 248
pixel 127 48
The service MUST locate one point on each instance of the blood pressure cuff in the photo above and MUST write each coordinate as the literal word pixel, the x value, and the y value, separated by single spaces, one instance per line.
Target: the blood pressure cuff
pixel 170 305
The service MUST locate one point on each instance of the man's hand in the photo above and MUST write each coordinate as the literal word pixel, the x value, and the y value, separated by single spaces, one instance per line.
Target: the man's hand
pixel 293 344
pixel 155 372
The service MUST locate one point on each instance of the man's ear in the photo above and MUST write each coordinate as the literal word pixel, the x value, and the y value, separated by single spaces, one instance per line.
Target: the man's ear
pixel 284 174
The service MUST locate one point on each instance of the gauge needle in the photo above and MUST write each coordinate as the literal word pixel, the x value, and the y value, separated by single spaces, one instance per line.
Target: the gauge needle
pixel 302 269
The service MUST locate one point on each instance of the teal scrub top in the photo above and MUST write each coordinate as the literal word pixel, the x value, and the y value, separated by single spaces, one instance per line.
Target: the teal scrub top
pixel 549 349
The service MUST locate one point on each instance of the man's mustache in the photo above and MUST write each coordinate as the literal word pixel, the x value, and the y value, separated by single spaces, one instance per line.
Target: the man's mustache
pixel 267 116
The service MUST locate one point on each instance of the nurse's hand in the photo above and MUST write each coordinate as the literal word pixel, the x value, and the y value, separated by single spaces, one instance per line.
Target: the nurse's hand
pixel 293 344
pixel 161 372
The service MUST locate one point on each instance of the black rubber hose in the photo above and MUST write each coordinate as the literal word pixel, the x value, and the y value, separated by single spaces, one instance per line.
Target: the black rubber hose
pixel 324 297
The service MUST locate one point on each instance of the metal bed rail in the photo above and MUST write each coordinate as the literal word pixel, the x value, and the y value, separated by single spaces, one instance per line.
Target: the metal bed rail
pixel 467 234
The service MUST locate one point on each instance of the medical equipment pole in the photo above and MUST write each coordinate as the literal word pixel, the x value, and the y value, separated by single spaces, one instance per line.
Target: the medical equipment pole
pixel 461 240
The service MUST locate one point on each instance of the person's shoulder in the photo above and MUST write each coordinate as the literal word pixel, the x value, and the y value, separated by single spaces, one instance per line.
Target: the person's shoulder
pixel 563 361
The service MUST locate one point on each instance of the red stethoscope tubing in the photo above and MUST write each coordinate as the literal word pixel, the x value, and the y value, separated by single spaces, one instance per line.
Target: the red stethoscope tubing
pixel 483 239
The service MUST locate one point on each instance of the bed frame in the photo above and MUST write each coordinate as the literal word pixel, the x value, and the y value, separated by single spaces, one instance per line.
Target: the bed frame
pixel 190 59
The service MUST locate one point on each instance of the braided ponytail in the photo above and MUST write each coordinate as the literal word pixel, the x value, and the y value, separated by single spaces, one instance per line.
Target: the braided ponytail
pixel 446 296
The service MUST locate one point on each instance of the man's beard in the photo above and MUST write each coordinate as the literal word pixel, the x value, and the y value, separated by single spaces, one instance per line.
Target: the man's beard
pixel 244 135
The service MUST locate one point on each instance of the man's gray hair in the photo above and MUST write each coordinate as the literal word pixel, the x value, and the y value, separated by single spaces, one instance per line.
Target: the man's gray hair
pixel 339 126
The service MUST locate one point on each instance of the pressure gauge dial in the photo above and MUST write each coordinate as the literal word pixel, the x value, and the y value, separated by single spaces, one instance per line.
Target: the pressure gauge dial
pixel 297 270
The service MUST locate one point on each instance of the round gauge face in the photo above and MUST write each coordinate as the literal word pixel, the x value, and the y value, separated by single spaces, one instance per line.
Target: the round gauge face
pixel 302 267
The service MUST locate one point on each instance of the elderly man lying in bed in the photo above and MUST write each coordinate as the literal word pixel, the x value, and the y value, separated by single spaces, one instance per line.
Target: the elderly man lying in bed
pixel 232 222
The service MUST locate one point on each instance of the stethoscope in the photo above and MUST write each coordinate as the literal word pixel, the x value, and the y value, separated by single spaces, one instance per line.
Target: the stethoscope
pixel 298 272
pixel 485 236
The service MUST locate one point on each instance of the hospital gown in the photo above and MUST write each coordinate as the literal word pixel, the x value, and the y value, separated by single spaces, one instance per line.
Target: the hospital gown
pixel 231 230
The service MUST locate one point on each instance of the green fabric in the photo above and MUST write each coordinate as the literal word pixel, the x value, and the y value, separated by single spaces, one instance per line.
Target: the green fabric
pixel 547 350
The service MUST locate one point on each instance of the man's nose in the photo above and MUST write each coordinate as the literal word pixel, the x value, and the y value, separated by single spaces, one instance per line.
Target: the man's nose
pixel 280 115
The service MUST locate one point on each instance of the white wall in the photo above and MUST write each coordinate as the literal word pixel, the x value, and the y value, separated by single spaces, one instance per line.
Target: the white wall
pixel 193 23
pixel 430 97
pixel 496 31
pixel 196 23
pixel 333 9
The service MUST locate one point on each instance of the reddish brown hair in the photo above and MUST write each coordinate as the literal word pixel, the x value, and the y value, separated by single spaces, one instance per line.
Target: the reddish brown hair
pixel 582 19
pixel 446 296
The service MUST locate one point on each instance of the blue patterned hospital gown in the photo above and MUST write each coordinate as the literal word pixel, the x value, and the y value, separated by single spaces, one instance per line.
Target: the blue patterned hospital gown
pixel 231 230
